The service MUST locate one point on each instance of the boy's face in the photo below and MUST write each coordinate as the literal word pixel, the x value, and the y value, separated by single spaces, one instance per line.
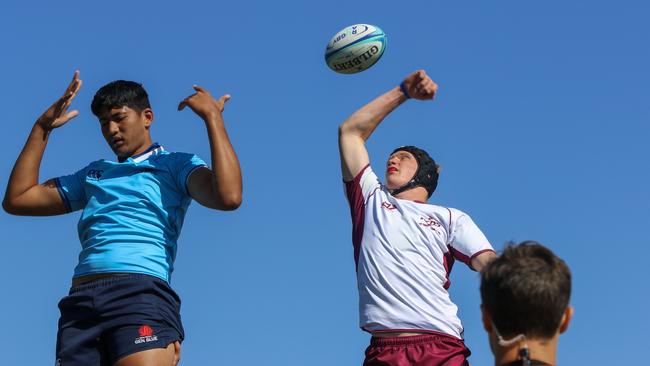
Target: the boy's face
pixel 126 130
pixel 400 169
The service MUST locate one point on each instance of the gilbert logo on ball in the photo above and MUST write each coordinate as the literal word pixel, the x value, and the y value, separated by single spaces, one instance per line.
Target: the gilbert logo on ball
pixel 355 48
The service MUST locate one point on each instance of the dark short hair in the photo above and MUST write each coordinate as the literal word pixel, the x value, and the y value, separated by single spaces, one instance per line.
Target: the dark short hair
pixel 120 93
pixel 526 290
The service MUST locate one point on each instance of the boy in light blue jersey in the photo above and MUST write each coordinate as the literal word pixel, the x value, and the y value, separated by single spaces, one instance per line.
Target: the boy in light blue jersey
pixel 127 224
pixel 120 310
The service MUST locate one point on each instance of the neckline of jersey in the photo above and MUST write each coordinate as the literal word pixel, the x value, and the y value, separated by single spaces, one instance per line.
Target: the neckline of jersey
pixel 154 148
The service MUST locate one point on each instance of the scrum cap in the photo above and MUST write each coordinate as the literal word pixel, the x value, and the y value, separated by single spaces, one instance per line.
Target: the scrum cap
pixel 427 174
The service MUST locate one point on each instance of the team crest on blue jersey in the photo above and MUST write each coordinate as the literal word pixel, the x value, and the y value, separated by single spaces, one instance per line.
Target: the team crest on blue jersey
pixel 94 174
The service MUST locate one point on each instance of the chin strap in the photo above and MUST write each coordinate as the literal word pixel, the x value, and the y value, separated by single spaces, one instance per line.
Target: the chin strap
pixel 411 184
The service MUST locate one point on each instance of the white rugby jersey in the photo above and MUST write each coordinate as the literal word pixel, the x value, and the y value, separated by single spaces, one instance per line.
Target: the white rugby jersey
pixel 404 252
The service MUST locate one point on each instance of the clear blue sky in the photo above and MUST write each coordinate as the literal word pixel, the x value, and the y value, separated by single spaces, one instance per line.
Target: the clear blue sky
pixel 541 126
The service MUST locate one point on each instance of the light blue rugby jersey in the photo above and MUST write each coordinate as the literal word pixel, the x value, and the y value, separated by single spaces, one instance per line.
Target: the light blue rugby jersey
pixel 133 211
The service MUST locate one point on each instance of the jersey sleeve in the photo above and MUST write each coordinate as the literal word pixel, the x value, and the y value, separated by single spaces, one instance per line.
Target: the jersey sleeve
pixel 358 190
pixel 72 191
pixel 467 240
pixel 363 185
pixel 185 165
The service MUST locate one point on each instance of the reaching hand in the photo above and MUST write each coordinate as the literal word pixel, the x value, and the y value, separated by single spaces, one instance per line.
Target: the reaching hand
pixel 57 115
pixel 204 104
pixel 419 85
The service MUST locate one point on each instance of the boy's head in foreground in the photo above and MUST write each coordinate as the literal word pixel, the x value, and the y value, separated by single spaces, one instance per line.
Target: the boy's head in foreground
pixel 525 291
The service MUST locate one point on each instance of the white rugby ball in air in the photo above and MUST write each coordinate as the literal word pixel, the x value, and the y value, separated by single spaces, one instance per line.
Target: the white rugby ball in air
pixel 355 48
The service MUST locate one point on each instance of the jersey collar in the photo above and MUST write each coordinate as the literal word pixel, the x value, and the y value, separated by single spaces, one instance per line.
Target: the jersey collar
pixel 154 149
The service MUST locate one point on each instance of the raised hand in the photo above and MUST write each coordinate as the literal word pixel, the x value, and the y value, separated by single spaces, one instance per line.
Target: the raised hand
pixel 204 104
pixel 419 85
pixel 57 115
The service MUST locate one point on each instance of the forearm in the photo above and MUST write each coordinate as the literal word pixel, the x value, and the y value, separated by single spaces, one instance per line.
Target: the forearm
pixel 364 121
pixel 226 172
pixel 25 173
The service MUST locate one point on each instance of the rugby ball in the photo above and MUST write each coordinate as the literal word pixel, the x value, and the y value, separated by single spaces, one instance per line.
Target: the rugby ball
pixel 355 48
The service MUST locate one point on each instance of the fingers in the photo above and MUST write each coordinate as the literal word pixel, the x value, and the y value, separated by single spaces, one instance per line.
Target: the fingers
pixel 71 91
pixel 201 102
pixel 185 102
pixel 423 85
pixel 224 99
pixel 64 119
pixel 75 78
pixel 200 89
pixel 74 85
pixel 427 87
pixel 76 89
pixel 221 103
pixel 72 114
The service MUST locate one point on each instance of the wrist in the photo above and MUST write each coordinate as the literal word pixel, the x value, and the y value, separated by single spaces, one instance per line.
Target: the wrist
pixel 213 119
pixel 402 88
pixel 40 132
pixel 41 127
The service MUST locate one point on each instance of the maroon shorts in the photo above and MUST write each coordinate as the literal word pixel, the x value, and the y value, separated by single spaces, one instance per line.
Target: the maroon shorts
pixel 420 350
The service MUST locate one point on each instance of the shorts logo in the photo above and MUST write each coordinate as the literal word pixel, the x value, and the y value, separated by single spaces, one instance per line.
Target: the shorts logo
pixel 146 335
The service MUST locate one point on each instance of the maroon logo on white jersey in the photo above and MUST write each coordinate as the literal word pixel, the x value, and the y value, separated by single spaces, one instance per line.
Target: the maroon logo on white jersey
pixel 431 223
pixel 388 206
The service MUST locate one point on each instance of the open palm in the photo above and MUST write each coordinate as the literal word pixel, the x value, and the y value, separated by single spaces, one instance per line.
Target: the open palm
pixel 57 115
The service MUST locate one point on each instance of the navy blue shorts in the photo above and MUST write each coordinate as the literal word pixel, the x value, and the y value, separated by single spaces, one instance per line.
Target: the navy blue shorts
pixel 107 319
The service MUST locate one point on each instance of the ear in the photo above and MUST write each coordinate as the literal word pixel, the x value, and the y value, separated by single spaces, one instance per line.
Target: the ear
pixel 147 114
pixel 487 319
pixel 566 319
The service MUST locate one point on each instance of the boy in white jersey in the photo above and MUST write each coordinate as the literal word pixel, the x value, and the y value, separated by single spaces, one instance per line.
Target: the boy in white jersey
pixel 404 248
pixel 120 310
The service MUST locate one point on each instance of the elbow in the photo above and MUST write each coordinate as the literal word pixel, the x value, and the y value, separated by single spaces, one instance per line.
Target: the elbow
pixel 343 129
pixel 346 130
pixel 9 206
pixel 232 202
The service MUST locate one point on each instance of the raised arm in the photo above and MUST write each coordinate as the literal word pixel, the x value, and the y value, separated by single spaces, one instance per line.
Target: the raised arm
pixel 354 132
pixel 221 186
pixel 24 195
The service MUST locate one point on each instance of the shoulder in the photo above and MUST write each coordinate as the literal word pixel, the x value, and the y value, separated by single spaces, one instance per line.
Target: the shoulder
pixel 97 165
pixel 174 158
pixel 456 212
pixel 177 154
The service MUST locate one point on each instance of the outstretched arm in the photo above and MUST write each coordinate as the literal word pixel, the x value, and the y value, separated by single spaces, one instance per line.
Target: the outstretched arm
pixel 220 187
pixel 24 195
pixel 354 132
